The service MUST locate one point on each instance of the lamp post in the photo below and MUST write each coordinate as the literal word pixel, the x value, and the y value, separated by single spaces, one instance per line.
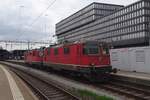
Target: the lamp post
pixel 149 32
pixel 45 23
pixel 20 18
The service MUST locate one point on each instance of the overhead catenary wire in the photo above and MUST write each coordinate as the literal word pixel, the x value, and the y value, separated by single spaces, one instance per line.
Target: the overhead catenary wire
pixel 43 12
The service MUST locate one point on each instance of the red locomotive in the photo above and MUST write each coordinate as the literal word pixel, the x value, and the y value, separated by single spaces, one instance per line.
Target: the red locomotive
pixel 33 57
pixel 90 59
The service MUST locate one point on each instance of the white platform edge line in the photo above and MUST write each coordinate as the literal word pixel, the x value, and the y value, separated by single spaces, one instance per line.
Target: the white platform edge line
pixel 17 95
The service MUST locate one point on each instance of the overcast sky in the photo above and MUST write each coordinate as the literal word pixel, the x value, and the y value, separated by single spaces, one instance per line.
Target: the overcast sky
pixel 16 17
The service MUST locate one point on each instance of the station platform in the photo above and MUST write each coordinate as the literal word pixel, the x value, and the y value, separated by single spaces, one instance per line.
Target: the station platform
pixel 12 87
pixel 18 61
pixel 137 77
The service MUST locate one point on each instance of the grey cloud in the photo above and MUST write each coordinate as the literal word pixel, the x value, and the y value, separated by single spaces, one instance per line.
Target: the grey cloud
pixel 15 21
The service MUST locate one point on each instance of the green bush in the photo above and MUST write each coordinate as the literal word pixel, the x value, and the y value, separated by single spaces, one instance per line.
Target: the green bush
pixel 86 94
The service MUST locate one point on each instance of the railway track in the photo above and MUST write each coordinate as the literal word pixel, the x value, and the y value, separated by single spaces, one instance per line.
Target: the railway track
pixel 44 90
pixel 127 89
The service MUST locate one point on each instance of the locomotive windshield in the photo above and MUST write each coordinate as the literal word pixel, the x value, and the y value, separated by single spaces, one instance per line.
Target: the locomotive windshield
pixel 91 48
pixel 105 49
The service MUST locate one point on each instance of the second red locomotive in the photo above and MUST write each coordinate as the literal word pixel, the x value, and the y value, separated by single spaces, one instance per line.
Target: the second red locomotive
pixel 90 59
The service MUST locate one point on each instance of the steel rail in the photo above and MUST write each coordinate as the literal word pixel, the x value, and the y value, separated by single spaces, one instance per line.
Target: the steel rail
pixel 45 90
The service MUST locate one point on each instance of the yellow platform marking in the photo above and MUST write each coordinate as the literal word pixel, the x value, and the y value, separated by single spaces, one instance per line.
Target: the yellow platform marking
pixel 17 95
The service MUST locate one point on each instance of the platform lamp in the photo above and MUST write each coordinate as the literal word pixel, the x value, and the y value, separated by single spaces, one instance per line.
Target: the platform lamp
pixel 45 22
pixel 149 32
pixel 20 19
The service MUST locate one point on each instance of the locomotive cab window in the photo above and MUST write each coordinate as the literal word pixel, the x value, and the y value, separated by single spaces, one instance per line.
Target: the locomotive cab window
pixel 49 51
pixel 33 54
pixel 106 50
pixel 91 48
pixel 55 51
pixel 66 50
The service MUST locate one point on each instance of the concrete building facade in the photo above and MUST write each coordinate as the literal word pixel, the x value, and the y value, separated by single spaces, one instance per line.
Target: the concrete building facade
pixel 128 26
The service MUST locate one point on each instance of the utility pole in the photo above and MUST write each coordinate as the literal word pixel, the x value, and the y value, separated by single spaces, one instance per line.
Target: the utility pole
pixel 28 45
pixel 11 46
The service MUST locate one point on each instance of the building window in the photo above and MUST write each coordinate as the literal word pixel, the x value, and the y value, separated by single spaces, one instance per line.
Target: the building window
pixel 143 4
pixel 115 56
pixel 140 56
pixel 66 50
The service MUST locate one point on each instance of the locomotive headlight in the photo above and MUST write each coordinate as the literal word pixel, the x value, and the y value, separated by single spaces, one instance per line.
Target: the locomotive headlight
pixel 92 64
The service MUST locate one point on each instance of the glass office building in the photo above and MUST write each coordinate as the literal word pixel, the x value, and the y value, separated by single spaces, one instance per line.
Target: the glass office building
pixel 129 26
pixel 85 16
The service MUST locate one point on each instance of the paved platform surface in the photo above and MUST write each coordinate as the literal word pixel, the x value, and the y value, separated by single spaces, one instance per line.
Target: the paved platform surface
pixel 138 75
pixel 12 87
pixel 22 61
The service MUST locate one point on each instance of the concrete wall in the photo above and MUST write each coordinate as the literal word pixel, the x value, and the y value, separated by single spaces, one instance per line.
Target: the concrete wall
pixel 131 59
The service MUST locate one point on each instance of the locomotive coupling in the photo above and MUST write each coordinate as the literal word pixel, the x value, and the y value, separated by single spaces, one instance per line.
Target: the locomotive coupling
pixel 114 70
